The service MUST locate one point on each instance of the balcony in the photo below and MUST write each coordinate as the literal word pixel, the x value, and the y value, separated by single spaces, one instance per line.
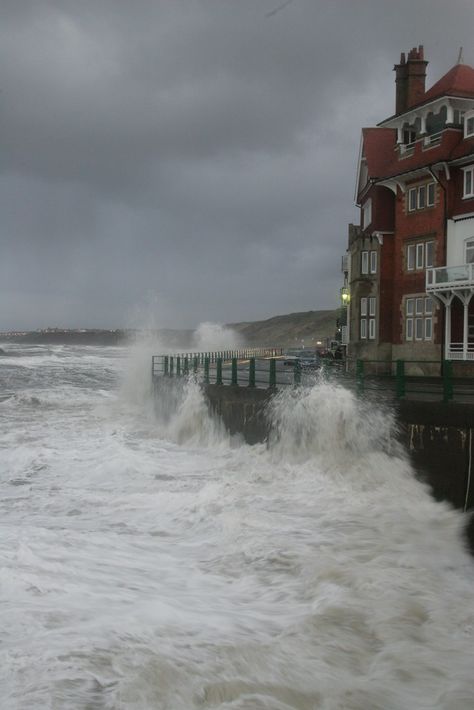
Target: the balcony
pixel 450 278
pixel 458 351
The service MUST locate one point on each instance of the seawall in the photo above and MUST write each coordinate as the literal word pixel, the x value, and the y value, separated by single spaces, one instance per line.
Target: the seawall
pixel 438 437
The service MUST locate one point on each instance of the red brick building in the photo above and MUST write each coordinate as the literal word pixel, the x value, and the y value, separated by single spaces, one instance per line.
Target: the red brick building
pixel 410 270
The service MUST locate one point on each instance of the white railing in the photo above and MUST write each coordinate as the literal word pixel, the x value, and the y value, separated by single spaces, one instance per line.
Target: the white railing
pixel 450 277
pixel 456 351
pixel 407 149
pixel 432 140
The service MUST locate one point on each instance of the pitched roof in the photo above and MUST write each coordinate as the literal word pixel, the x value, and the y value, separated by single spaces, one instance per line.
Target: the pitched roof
pixel 459 81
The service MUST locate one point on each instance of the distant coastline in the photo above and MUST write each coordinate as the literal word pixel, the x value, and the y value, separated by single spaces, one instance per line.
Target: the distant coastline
pixel 301 329
pixel 86 336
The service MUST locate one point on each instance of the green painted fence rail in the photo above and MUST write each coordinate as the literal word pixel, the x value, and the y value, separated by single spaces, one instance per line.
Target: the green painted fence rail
pixel 415 379
pixel 251 367
pixel 264 368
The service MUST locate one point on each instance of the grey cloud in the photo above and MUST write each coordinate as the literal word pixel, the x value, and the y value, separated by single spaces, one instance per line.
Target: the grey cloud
pixel 198 154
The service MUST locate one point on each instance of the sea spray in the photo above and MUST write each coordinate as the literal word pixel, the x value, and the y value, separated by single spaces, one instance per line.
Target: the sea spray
pixel 213 336
pixel 184 416
pixel 140 573
pixel 327 419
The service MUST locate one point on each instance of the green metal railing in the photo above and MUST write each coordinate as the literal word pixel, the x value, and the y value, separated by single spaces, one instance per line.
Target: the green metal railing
pixel 423 379
pixel 230 367
pixel 401 379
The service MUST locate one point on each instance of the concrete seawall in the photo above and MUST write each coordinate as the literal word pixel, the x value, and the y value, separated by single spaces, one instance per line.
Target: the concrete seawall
pixel 438 437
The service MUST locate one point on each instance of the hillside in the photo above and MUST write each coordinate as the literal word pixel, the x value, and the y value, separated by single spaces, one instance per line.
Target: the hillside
pixel 289 329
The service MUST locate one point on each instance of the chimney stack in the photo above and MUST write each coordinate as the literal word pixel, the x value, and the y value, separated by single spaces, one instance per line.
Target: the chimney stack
pixel 410 76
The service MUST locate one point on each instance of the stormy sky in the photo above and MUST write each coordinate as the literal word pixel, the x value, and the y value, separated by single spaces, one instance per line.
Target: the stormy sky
pixel 167 162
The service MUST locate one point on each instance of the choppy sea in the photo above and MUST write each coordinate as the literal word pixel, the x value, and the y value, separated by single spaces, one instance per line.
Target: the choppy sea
pixel 150 562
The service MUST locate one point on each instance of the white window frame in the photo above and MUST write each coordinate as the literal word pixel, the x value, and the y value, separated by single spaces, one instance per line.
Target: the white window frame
pixel 373 262
pixel 468 120
pixel 428 334
pixel 419 324
pixel 430 194
pixel 411 257
pixel 420 248
pixel 363 329
pixel 372 306
pixel 468 182
pixel 364 262
pixel 419 318
pixel 429 258
pixel 371 328
pixel 421 197
pixel 363 307
pixel 469 246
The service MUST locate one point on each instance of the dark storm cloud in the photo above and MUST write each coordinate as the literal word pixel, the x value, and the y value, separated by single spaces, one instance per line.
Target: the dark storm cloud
pixel 198 156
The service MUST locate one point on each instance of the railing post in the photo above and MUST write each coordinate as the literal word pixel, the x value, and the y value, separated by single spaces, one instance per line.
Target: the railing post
pixel 178 366
pixel 195 365
pixel 234 372
pixel 297 373
pixel 206 370
pixel 273 373
pixel 252 372
pixel 447 380
pixel 186 366
pixel 166 365
pixel 219 371
pixel 400 383
pixel 171 365
pixel 359 376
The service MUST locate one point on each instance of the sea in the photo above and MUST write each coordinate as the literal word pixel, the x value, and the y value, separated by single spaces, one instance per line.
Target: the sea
pixel 149 561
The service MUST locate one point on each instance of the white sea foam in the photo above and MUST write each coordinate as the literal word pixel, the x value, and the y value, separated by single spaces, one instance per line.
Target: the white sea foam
pixel 213 336
pixel 148 562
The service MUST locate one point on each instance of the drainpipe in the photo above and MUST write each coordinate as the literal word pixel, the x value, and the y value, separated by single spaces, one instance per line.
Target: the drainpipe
pixel 445 227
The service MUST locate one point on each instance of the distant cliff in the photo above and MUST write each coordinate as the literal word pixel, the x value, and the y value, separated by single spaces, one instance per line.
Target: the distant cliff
pixel 289 330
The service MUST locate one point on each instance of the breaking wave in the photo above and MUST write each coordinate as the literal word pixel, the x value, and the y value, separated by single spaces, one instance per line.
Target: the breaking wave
pixel 149 561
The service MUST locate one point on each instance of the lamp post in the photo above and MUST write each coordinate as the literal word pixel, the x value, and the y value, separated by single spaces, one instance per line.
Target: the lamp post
pixel 344 319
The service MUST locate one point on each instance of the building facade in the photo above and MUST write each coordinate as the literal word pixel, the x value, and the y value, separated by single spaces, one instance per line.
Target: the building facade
pixel 411 258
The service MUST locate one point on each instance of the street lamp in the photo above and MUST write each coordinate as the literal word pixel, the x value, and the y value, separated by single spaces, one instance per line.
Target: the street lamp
pixel 345 296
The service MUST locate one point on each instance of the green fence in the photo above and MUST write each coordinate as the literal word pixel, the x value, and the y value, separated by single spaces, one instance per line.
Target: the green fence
pixel 234 368
pixel 420 379
pixel 400 379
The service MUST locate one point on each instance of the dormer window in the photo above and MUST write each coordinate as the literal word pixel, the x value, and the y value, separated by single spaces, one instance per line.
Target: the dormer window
pixel 469 124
